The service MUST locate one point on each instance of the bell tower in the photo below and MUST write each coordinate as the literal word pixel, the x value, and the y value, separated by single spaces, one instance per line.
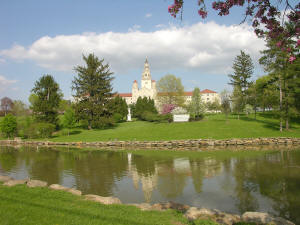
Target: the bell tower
pixel 146 76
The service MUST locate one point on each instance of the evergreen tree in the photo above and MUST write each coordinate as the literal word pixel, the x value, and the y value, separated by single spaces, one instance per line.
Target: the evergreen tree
pixel 286 76
pixel 196 107
pixel 119 108
pixel 243 70
pixel 47 102
pixel 93 92
pixel 144 105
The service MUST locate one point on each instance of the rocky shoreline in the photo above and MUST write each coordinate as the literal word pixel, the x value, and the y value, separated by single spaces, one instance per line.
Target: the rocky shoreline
pixel 191 213
pixel 247 143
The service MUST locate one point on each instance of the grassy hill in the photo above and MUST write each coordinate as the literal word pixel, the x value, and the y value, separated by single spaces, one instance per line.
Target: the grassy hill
pixel 212 126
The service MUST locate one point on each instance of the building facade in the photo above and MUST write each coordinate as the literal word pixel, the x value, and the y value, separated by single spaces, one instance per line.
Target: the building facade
pixel 148 89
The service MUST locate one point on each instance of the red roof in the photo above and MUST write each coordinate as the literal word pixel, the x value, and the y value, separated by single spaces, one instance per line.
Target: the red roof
pixel 207 91
pixel 153 80
pixel 188 93
pixel 124 94
pixel 134 81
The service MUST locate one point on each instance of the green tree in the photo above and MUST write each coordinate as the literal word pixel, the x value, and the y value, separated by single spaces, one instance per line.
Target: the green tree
pixel 46 104
pixel 242 72
pixel 144 105
pixel 19 108
pixel 69 119
pixel 286 76
pixel 93 92
pixel 8 125
pixel 32 99
pixel 119 108
pixel 170 90
pixel 64 105
pixel 267 93
pixel 196 107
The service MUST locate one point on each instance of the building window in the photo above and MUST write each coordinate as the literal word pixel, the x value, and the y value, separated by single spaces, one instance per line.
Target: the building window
pixel 207 99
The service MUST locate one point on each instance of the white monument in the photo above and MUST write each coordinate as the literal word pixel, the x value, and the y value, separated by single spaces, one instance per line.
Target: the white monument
pixel 129 115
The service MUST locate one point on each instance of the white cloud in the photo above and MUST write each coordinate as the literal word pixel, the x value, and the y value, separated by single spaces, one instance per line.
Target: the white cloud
pixel 5 83
pixel 148 15
pixel 206 47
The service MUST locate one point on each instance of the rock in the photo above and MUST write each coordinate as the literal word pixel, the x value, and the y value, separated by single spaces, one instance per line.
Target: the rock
pixel 170 205
pixel 256 217
pixel 225 218
pixel 62 188
pixel 5 178
pixel 36 183
pixel 194 213
pixel 103 200
pixel 58 187
pixel 11 183
pixel 143 206
pixel 74 191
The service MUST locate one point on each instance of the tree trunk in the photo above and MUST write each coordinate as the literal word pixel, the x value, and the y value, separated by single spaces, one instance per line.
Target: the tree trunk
pixel 280 104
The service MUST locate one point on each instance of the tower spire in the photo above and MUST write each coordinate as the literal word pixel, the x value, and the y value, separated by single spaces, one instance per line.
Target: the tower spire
pixel 146 73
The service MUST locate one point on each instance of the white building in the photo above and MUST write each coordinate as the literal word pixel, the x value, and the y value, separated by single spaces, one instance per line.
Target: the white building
pixel 148 89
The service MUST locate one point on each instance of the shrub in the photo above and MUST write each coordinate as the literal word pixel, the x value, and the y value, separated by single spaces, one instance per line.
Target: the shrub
pixel 40 130
pixel 103 122
pixel 118 117
pixel 152 117
pixel 8 125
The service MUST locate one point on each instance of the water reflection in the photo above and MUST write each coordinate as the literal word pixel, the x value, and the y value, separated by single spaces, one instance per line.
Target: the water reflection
pixel 261 181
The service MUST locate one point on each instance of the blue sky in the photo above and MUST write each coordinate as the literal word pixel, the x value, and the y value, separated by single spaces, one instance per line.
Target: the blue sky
pixel 49 37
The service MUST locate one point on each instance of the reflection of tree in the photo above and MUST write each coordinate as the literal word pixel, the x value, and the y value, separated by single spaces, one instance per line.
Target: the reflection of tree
pixel 8 159
pixel 278 178
pixel 97 172
pixel 197 174
pixel 172 180
pixel 204 168
pixel 145 166
pixel 244 187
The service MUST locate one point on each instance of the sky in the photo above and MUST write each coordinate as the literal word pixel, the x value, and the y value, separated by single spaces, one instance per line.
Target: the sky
pixel 50 37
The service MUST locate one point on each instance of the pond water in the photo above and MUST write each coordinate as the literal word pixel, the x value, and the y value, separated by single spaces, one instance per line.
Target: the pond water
pixel 234 182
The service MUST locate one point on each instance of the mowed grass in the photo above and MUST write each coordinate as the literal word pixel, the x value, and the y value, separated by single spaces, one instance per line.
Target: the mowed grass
pixel 26 206
pixel 212 126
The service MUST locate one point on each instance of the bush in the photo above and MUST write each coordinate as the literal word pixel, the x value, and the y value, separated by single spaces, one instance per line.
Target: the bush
pixel 23 126
pixel 8 125
pixel 118 117
pixel 196 118
pixel 103 122
pixel 152 117
pixel 40 130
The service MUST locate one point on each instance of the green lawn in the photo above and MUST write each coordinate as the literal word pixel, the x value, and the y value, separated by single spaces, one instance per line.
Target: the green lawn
pixel 212 126
pixel 23 205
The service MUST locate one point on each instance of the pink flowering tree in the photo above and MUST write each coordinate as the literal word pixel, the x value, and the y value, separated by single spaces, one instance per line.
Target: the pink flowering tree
pixel 167 108
pixel 268 20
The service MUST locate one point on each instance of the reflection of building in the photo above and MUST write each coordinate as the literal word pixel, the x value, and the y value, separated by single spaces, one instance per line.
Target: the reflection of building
pixel 148 89
pixel 149 182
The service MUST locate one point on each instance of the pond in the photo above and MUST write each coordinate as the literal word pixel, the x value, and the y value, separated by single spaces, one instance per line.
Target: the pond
pixel 231 181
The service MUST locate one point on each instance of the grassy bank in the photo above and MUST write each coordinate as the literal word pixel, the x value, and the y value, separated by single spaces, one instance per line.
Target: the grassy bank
pixel 212 126
pixel 23 205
